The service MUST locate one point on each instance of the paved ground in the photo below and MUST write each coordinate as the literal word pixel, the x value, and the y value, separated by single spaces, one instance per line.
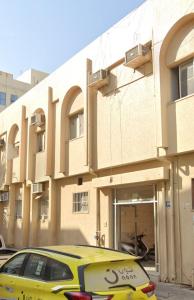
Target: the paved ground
pixel 167 291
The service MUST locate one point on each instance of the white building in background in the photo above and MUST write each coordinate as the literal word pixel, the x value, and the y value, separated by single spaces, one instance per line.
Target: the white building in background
pixel 11 89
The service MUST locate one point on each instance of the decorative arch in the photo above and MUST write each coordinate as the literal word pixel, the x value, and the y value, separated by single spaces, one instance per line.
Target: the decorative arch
pixel 13 134
pixel 72 101
pixel 72 106
pixel 13 142
pixel 177 27
pixel 39 110
pixel 177 48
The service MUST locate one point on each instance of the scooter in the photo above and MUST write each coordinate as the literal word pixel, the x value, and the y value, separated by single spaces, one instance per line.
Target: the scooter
pixel 136 246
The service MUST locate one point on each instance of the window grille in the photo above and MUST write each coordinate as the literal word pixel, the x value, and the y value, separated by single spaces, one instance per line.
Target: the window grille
pixel 80 202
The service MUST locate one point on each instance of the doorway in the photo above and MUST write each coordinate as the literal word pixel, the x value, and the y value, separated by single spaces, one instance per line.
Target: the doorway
pixel 135 221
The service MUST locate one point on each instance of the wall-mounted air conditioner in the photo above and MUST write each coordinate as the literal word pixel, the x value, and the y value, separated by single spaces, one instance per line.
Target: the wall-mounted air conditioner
pixel 37 188
pixel 138 56
pixel 2 143
pixel 98 79
pixel 6 188
pixel 4 196
pixel 38 119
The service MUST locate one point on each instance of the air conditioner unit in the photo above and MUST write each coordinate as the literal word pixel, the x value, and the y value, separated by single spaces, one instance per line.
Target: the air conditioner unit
pixel 6 188
pixel 98 79
pixel 2 143
pixel 4 196
pixel 138 56
pixel 37 188
pixel 38 119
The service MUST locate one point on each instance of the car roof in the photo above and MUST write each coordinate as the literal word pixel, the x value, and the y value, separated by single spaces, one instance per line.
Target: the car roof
pixel 82 254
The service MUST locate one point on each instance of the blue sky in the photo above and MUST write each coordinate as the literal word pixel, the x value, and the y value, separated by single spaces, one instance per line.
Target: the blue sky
pixel 43 34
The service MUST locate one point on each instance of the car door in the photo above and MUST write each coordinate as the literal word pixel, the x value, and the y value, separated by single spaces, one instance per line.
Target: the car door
pixel 11 286
pixel 42 275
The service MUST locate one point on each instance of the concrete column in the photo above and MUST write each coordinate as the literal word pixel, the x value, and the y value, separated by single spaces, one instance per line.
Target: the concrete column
pixel 178 246
pixel 163 255
pixel 52 212
pixel 23 145
pixel 50 134
pixel 34 220
pixel 25 214
pixel 171 227
pixel 11 215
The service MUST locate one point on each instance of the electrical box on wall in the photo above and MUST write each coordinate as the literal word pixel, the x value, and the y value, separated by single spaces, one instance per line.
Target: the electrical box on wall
pixel 98 79
pixel 138 56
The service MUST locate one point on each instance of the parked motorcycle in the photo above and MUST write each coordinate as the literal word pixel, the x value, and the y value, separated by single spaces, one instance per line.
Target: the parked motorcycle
pixel 137 246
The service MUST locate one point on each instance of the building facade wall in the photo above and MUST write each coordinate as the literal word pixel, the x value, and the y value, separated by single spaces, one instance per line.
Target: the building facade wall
pixel 89 143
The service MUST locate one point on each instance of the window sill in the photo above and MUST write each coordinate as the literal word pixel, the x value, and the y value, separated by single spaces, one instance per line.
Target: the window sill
pixel 75 139
pixel 80 212
pixel 181 99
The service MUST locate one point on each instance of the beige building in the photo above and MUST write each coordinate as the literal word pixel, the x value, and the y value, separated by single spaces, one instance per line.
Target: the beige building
pixel 104 146
pixel 11 89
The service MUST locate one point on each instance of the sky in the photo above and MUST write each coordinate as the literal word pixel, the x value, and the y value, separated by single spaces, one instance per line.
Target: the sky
pixel 43 34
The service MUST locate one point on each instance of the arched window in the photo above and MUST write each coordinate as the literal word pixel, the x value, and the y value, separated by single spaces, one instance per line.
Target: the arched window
pixel 75 114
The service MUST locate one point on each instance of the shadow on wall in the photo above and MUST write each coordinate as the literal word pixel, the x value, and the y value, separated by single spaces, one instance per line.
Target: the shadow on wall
pixel 65 237
pixel 72 236
pixel 2 169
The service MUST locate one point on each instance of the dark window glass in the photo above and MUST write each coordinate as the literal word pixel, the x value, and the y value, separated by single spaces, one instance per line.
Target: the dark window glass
pixel 13 98
pixel 186 78
pixel 35 267
pixel 14 266
pixel 57 271
pixel 2 98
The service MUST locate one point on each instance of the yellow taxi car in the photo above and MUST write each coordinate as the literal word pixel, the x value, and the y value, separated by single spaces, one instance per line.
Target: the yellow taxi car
pixel 74 273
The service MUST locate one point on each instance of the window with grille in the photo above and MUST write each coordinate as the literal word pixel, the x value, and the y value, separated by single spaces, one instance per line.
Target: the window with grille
pixel 76 125
pixel 80 202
